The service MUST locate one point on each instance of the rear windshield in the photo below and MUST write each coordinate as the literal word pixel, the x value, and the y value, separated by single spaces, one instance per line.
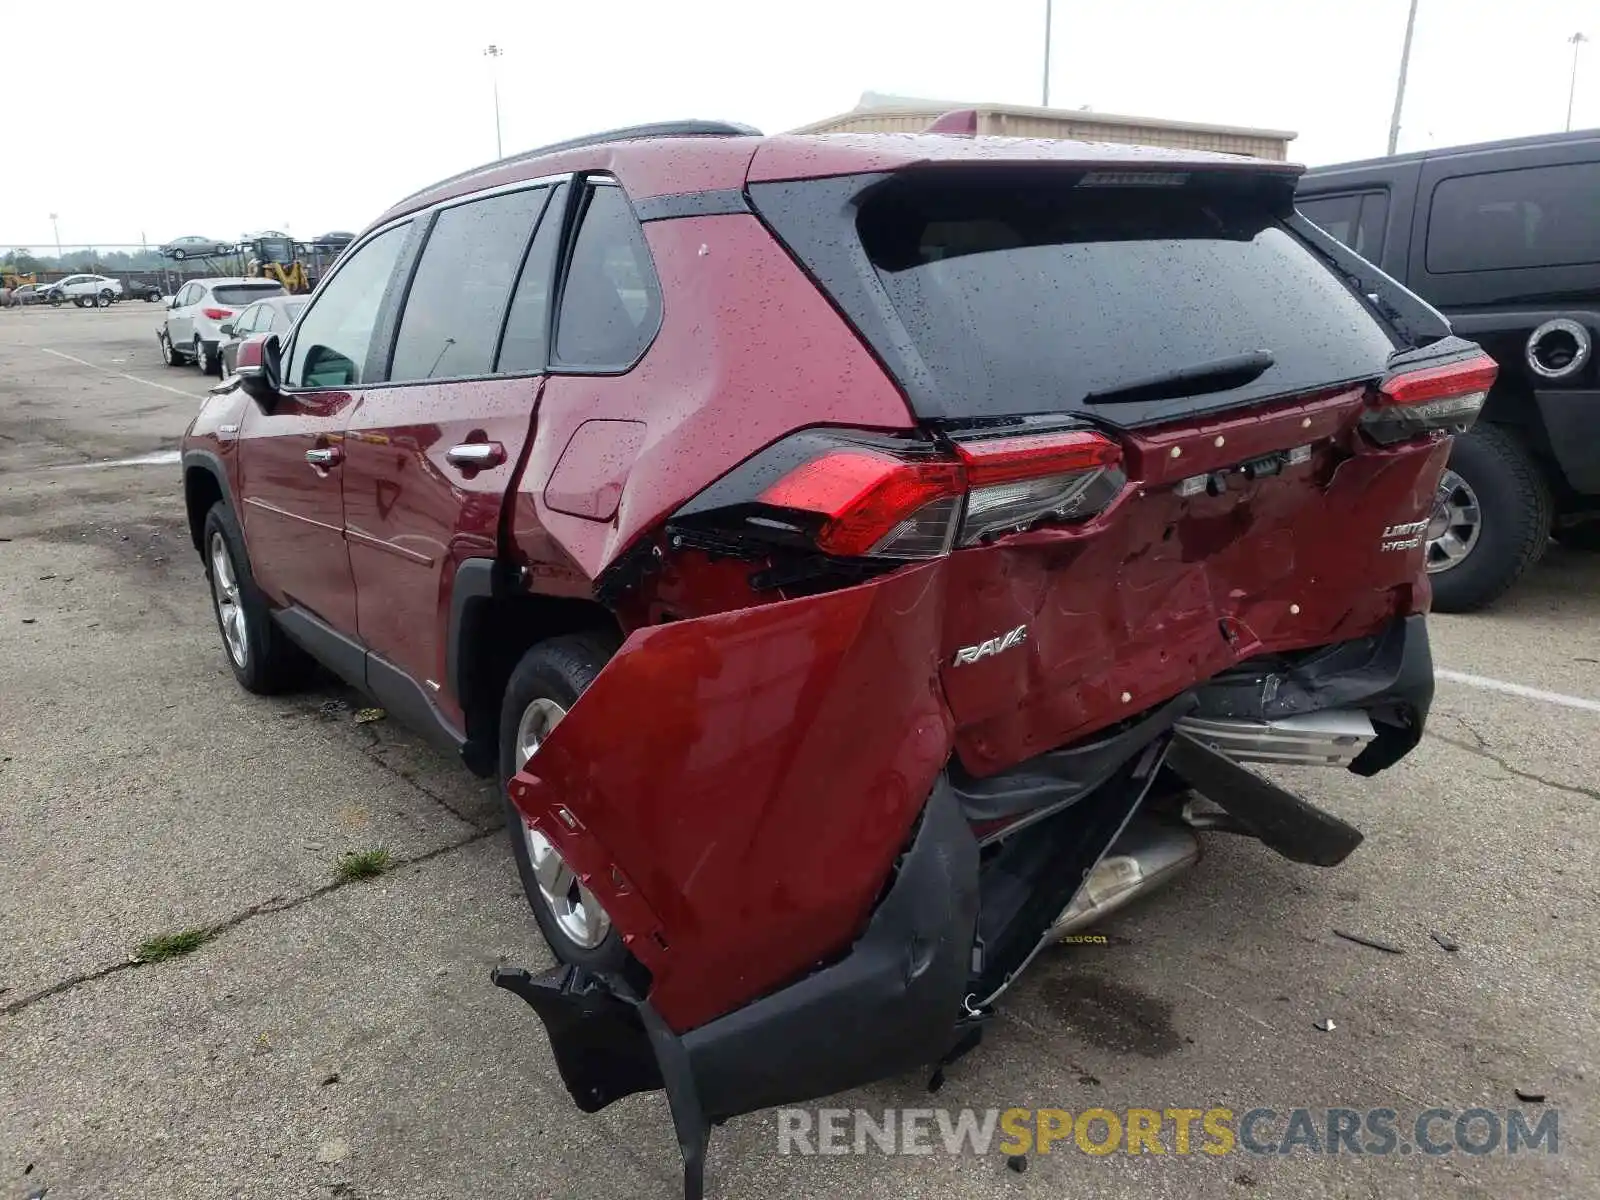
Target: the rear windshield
pixel 1027 297
pixel 246 293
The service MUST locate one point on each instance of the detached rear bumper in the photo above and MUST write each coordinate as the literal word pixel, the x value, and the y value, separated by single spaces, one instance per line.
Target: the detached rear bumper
pixel 890 1004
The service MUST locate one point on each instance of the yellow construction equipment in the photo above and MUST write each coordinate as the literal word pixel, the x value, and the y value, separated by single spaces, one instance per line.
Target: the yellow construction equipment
pixel 276 258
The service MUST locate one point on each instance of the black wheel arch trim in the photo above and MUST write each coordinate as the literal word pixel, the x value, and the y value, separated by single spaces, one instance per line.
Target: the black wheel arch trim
pixel 211 463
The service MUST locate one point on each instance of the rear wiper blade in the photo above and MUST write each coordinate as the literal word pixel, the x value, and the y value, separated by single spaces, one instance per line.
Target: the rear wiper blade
pixel 1217 375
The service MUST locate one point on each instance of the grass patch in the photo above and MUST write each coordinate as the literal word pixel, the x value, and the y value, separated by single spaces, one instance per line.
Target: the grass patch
pixel 172 945
pixel 363 864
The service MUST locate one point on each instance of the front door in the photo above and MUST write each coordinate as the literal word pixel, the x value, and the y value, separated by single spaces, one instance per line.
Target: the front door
pixel 292 456
pixel 180 317
pixel 431 452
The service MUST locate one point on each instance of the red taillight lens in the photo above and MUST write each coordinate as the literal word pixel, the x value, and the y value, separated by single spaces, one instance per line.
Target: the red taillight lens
pixel 874 503
pixel 216 314
pixel 1430 400
pixel 1017 481
pixel 1003 459
pixel 853 494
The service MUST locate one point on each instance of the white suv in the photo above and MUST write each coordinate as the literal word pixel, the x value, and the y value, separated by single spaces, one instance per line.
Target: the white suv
pixel 89 290
pixel 190 333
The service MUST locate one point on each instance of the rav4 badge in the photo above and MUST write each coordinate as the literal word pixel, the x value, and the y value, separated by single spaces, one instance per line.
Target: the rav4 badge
pixel 992 646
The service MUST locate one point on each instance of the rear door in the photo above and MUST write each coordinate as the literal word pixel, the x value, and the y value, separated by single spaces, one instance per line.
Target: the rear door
pixel 292 455
pixel 1510 226
pixel 432 449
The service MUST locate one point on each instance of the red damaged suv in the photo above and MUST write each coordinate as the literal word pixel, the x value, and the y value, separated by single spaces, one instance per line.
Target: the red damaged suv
pixel 856 555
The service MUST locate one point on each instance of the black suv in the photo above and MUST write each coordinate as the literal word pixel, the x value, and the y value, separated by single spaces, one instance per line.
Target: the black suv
pixel 1504 238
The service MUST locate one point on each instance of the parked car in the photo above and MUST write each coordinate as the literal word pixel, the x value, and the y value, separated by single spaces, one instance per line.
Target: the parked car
pixel 27 293
pixel 1505 239
pixel 272 315
pixel 191 331
pixel 134 289
pixel 907 525
pixel 194 247
pixel 88 291
pixel 335 238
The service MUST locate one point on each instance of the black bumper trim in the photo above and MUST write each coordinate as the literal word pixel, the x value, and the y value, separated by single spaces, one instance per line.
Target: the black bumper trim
pixel 891 1003
pixel 1388 675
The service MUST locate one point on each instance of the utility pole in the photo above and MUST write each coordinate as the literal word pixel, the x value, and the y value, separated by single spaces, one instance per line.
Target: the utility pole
pixel 57 228
pixel 1048 5
pixel 1400 87
pixel 1577 40
pixel 493 54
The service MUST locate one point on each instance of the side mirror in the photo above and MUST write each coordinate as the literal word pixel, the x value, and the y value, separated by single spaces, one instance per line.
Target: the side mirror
pixel 259 367
pixel 172 301
pixel 226 329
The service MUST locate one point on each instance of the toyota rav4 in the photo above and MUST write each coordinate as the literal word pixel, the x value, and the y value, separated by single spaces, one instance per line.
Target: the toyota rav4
pixel 861 558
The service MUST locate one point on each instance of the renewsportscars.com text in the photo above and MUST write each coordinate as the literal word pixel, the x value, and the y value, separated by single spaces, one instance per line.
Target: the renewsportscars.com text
pixel 1176 1131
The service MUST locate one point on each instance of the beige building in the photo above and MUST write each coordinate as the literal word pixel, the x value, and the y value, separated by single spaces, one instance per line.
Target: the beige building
pixel 893 114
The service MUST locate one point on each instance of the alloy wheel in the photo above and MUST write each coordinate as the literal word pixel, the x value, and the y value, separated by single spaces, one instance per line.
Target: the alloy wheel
pixel 225 593
pixel 576 911
pixel 1456 523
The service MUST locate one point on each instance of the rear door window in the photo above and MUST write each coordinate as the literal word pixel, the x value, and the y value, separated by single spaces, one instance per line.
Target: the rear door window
pixel 1027 297
pixel 1504 220
pixel 457 299
pixel 524 349
pixel 1339 216
pixel 610 299
pixel 1356 219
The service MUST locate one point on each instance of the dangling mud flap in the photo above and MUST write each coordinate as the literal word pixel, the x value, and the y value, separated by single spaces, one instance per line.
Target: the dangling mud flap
pixel 892 1002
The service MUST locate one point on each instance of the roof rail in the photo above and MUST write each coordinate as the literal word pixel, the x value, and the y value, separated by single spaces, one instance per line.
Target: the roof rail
pixel 658 129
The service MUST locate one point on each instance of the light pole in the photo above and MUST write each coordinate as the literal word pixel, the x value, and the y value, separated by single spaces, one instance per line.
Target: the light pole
pixel 57 228
pixel 1048 5
pixel 493 54
pixel 1400 87
pixel 1577 40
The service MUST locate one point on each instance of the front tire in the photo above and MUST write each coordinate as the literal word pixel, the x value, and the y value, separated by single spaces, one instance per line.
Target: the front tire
pixel 543 688
pixel 262 657
pixel 105 299
pixel 1491 521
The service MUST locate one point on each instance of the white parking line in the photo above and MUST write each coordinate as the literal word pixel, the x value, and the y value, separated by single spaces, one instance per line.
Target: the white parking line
pixel 1517 689
pixel 122 374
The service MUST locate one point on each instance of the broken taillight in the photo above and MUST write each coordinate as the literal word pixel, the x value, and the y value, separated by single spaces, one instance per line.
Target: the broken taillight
pixel 1015 481
pixel 873 503
pixel 873 497
pixel 1430 399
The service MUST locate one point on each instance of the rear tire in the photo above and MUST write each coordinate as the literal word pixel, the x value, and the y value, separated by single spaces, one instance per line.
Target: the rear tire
pixel 169 353
pixel 555 671
pixel 262 657
pixel 1516 509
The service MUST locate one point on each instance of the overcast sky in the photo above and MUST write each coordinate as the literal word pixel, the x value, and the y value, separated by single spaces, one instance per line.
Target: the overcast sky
pixel 310 115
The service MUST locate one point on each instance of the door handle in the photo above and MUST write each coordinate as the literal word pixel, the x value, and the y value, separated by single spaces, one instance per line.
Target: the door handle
pixel 476 455
pixel 325 456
